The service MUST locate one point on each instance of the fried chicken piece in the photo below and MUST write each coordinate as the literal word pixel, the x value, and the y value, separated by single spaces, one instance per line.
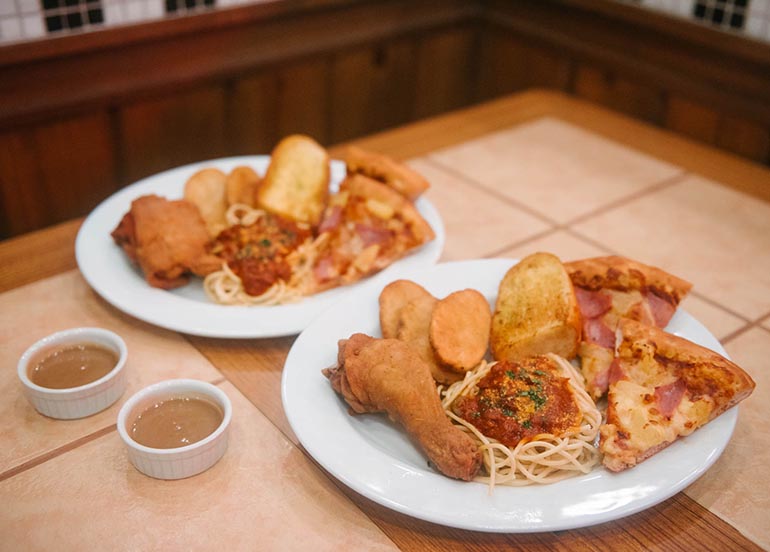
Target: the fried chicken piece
pixel 167 239
pixel 387 375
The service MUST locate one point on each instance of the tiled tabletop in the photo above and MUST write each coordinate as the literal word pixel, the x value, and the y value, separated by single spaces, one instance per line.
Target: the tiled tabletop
pixel 543 185
pixel 550 186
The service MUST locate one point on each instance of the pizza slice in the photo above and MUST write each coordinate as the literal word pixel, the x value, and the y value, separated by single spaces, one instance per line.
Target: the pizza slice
pixel 366 227
pixel 611 289
pixel 663 387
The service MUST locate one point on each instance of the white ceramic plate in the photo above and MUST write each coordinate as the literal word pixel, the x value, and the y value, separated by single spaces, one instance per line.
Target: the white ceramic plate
pixel 187 309
pixel 375 458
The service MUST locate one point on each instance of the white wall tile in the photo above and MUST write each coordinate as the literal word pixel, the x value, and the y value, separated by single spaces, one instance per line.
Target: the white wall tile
pixel 32 26
pixel 756 26
pixel 7 7
pixel 113 14
pixel 155 9
pixel 134 11
pixel 10 29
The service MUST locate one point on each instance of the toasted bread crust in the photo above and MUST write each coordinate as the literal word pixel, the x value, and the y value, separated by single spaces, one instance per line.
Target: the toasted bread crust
pixel 536 311
pixel 296 184
pixel 620 273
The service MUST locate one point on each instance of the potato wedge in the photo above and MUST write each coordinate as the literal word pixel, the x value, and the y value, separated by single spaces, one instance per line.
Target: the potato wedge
pixel 536 311
pixel 296 184
pixel 459 329
pixel 206 189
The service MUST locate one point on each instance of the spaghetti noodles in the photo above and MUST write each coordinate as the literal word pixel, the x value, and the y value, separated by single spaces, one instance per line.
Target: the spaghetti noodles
pixel 545 458
pixel 225 287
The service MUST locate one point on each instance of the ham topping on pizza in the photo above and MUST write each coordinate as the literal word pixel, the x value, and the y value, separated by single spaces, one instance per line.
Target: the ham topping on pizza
pixel 611 289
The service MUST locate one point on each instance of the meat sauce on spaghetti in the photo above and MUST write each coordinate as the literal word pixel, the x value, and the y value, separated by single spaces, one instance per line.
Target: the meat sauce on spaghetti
pixel 518 401
pixel 258 253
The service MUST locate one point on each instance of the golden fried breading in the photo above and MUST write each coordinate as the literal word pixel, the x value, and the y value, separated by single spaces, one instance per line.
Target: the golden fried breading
pixel 386 375
pixel 387 170
pixel 206 190
pixel 459 329
pixel 167 239
pixel 414 328
pixel 536 311
pixel 296 184
pixel 241 186
pixel 392 300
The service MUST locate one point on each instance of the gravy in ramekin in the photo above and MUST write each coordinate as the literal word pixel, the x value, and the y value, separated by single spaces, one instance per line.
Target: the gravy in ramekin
pixel 72 365
pixel 176 422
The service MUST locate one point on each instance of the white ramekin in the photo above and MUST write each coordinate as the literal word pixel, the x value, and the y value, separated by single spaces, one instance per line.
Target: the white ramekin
pixel 85 400
pixel 181 462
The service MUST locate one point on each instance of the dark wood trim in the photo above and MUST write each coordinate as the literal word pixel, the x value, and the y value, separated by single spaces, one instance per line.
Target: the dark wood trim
pixel 132 65
pixel 123 36
pixel 647 50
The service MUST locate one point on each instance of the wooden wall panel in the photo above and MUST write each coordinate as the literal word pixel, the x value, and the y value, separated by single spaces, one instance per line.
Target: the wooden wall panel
pixel 744 137
pixel 446 63
pixel 692 119
pixel 21 208
pixel 641 100
pixel 166 131
pixel 252 119
pixel 508 64
pixel 303 99
pixel 372 88
pixel 54 172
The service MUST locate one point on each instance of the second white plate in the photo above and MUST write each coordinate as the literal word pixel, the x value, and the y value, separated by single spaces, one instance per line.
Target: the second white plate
pixel 109 272
pixel 374 457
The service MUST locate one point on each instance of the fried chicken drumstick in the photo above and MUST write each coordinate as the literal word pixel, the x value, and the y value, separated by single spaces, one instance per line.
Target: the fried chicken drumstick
pixel 387 375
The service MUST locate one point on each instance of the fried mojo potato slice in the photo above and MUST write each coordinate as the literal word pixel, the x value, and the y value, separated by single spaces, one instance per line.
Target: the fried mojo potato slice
pixel 459 329
pixel 241 186
pixel 296 184
pixel 206 190
pixel 414 328
pixel 393 298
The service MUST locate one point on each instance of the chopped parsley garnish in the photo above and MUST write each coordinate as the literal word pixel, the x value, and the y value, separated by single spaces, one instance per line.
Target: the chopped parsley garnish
pixel 265 242
pixel 535 397
pixel 526 424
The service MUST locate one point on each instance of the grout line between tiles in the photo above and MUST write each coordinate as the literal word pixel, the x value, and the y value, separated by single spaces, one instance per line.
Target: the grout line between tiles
pixel 742 330
pixel 651 189
pixel 719 305
pixel 490 191
pixel 656 187
pixel 51 454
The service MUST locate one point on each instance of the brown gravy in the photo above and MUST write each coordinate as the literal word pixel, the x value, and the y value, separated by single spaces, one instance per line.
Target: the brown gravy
pixel 176 422
pixel 71 365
